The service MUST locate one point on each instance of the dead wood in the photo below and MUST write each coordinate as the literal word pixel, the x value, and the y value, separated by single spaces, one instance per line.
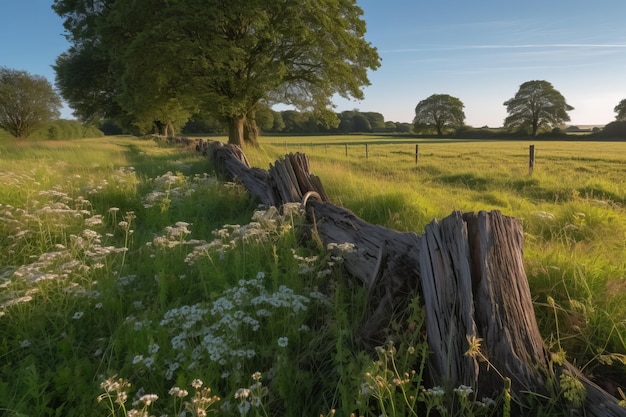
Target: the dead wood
pixel 384 261
pixel 468 269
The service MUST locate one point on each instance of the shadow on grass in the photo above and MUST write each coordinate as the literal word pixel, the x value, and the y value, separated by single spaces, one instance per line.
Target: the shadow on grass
pixel 469 181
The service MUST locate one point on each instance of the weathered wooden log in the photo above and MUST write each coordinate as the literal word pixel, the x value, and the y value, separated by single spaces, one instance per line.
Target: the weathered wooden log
pixel 504 312
pixel 292 179
pixel 287 181
pixel 385 261
pixel 480 319
pixel 469 271
pixel 230 161
pixel 445 268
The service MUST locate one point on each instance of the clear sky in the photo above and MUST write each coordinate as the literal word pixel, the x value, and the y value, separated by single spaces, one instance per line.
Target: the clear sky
pixel 480 51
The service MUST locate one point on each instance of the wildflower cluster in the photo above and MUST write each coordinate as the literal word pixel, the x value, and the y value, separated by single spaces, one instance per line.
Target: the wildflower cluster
pixel 70 257
pixel 116 394
pixel 224 331
pixel 266 224
pixel 171 187
pixel 174 236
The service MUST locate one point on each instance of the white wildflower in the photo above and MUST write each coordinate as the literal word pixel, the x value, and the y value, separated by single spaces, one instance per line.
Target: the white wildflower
pixel 148 398
pixel 436 391
pixel 178 392
pixel 242 393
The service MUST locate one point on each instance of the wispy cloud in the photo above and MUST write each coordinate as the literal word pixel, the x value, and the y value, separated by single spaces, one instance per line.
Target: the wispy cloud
pixel 549 45
pixel 508 46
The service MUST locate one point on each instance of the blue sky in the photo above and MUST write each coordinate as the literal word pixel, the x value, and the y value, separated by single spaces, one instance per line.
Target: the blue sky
pixel 480 51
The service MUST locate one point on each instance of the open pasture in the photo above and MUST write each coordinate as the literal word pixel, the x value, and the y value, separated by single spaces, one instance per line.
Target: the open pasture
pixel 123 258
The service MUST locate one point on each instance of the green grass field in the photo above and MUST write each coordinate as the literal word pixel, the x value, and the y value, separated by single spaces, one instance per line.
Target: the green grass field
pixel 123 261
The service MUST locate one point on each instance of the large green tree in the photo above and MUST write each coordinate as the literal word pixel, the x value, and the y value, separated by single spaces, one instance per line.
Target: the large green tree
pixel 26 102
pixel 620 109
pixel 536 105
pixel 220 57
pixel 439 111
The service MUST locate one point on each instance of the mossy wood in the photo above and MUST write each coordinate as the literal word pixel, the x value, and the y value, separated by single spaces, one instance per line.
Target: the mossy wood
pixel 468 269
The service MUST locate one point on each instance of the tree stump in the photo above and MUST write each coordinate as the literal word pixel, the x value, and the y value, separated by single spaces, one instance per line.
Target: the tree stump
pixel 468 269
pixel 475 291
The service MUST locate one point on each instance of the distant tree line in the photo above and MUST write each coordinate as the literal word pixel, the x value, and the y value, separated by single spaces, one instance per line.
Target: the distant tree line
pixel 296 122
pixel 29 107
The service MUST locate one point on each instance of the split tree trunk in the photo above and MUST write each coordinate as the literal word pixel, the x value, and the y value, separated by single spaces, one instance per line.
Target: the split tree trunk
pixel 236 127
pixel 475 287
pixel 468 268
pixel 242 130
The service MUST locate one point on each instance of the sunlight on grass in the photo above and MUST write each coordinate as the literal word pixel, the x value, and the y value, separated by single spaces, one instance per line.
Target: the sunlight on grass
pixel 131 275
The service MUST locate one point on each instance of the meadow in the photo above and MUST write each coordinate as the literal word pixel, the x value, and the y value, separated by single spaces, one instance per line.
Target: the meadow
pixel 134 282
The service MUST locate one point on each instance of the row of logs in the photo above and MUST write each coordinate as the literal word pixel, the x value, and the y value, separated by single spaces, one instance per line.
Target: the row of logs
pixel 468 269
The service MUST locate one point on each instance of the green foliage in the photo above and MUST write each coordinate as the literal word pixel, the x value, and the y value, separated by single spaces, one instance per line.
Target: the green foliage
pixel 439 111
pixel 67 129
pixel 537 105
pixel 620 109
pixel 614 130
pixel 26 102
pixel 170 59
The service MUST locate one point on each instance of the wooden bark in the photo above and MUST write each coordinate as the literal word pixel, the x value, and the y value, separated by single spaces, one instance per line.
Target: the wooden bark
pixel 230 162
pixel 385 261
pixel 287 181
pixel 475 289
pixel 236 126
pixel 468 269
pixel 504 311
pixel 445 268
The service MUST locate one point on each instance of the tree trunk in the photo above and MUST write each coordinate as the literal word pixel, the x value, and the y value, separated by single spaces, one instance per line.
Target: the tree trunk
pixel 242 130
pixel 236 130
pixel 169 129
pixel 251 131
pixel 469 269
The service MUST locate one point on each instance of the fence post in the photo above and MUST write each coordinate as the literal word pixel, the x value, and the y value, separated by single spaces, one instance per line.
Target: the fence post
pixel 366 152
pixel 531 159
pixel 346 149
pixel 416 153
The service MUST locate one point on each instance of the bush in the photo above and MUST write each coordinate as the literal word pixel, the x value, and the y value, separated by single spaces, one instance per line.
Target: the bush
pixel 63 129
pixel 614 130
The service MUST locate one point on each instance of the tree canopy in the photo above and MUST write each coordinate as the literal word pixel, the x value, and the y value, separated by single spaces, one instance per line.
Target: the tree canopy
pixel 160 61
pixel 620 109
pixel 536 105
pixel 439 111
pixel 26 102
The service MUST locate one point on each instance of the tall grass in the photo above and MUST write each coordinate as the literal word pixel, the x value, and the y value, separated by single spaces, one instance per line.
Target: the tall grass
pixel 132 280
pixel 572 208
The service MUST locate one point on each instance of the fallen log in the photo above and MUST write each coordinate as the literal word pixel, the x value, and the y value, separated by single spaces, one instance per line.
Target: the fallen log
pixel 287 181
pixel 468 270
